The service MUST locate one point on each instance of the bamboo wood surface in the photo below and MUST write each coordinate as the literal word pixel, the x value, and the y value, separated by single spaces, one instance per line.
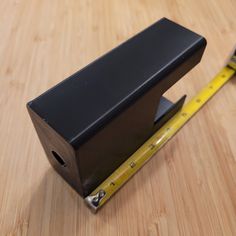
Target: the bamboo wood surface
pixel 188 188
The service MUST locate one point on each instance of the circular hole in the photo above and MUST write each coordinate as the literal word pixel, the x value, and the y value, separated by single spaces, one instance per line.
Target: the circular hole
pixel 59 159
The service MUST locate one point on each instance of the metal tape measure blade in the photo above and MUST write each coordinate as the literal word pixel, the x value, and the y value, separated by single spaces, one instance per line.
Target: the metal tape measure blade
pixel 121 175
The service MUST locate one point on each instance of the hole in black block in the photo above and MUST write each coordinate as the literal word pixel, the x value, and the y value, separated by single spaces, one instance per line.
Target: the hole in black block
pixel 59 159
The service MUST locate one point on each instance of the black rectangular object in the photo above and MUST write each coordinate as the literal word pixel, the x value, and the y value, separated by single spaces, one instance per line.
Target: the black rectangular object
pixel 93 121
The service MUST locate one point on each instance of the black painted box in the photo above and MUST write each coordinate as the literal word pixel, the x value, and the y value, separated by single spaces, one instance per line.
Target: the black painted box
pixel 94 120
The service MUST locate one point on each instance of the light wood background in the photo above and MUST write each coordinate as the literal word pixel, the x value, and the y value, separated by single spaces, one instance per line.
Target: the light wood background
pixel 188 188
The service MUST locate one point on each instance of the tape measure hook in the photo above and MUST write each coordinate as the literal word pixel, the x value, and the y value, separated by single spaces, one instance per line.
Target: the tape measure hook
pixel 92 201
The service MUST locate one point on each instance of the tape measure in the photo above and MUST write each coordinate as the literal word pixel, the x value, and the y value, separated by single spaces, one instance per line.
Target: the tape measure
pixel 121 175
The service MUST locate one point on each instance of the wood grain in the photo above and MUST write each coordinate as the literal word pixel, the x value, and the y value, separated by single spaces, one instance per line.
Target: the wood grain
pixel 188 188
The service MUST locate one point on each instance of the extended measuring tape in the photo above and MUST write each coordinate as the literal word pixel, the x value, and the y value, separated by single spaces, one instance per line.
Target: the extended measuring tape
pixel 121 175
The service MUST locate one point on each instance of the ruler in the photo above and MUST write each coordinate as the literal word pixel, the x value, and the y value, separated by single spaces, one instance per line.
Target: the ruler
pixel 126 170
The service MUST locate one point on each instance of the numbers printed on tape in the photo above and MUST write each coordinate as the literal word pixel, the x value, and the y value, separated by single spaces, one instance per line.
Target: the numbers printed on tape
pixel 105 190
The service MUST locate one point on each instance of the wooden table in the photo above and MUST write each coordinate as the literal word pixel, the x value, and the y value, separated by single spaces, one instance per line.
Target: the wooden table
pixel 188 188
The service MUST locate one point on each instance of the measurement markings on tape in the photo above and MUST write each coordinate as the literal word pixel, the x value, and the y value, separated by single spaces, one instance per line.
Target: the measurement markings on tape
pixel 121 175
